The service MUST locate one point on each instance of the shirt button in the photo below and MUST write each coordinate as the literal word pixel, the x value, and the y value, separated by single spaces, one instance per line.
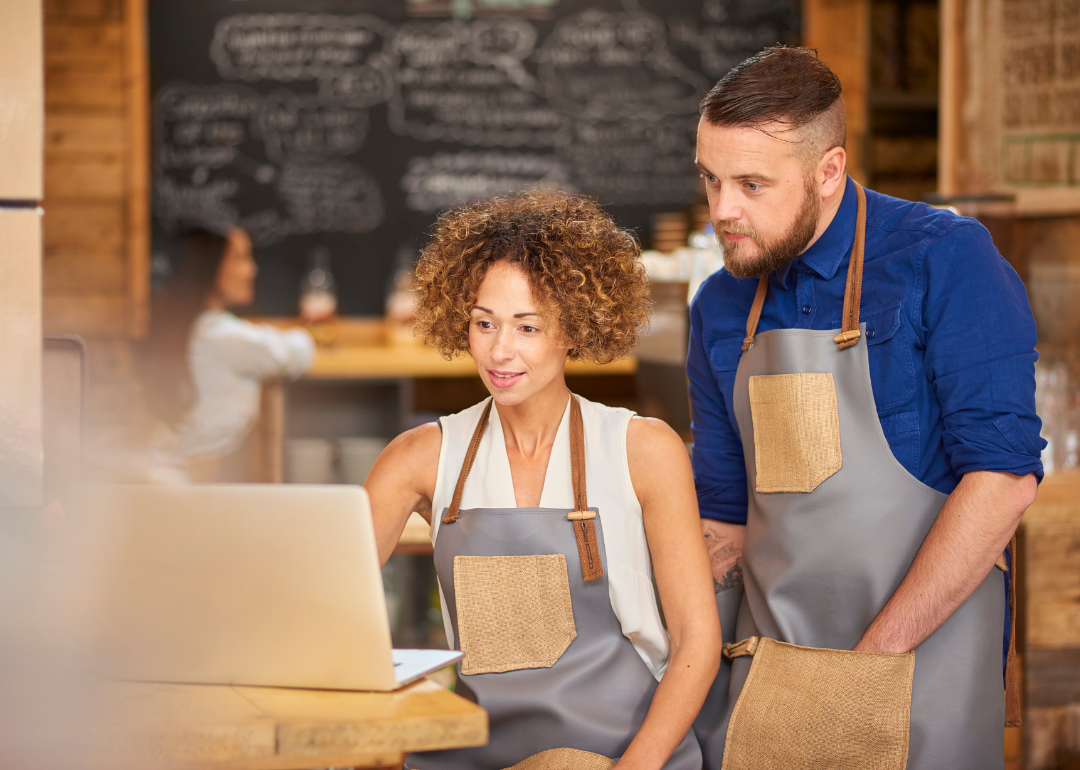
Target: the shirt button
pixel 869 334
pixel 806 309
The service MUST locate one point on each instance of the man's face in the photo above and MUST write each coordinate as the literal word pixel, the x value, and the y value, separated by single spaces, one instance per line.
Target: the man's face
pixel 764 201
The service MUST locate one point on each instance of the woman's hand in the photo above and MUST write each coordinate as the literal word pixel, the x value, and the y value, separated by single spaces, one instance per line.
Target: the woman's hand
pixel 402 481
pixel 664 483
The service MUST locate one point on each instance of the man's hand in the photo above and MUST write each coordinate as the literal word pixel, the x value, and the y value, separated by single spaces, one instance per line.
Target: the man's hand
pixel 972 529
pixel 724 543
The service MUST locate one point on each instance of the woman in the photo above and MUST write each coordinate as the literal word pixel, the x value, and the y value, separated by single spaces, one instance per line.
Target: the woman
pixel 205 366
pixel 545 508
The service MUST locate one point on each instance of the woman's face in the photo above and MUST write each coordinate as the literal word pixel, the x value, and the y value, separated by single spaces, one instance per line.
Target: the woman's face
pixel 235 283
pixel 517 347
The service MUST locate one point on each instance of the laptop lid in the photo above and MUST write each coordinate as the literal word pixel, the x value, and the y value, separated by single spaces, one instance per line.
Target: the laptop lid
pixel 275 585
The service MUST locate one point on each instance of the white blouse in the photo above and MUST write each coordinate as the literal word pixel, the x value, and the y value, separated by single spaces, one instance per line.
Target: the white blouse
pixel 607 472
pixel 229 359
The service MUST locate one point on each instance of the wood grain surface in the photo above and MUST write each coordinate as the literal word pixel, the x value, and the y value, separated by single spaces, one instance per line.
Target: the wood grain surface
pixel 191 727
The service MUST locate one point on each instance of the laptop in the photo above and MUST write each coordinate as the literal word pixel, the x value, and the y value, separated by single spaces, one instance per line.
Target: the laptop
pixel 245 584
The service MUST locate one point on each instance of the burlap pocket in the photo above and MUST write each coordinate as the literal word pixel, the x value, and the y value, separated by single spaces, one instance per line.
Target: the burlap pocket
pixel 796 431
pixel 804 708
pixel 565 759
pixel 513 612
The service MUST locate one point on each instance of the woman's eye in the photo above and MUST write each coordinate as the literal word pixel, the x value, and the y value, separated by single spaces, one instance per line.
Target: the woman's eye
pixel 529 329
pixel 485 324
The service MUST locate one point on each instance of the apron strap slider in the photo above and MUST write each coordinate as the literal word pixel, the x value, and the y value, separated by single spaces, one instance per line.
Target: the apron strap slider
pixel 848 337
pixel 580 515
pixel 745 648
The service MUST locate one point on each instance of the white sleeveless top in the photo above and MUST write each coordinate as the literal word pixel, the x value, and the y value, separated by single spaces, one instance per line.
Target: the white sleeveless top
pixel 607 474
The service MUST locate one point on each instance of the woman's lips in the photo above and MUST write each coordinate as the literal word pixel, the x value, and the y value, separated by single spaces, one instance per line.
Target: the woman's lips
pixel 504 379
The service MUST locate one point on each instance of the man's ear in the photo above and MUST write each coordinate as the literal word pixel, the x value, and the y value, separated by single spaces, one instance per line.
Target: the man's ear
pixel 832 171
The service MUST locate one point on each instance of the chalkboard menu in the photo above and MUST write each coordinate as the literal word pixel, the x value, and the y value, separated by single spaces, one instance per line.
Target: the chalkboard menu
pixel 346 126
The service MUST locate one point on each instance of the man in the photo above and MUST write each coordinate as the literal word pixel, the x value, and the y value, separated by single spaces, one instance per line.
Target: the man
pixel 862 387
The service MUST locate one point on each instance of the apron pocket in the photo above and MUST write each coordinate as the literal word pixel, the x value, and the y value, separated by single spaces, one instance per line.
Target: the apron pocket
pixel 513 612
pixel 796 431
pixel 565 759
pixel 805 708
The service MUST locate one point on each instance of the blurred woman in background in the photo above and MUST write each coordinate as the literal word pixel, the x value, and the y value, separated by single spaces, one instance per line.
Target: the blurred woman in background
pixel 204 365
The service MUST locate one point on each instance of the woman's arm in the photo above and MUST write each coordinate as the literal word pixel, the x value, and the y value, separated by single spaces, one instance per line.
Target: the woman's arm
pixel 402 481
pixel 660 471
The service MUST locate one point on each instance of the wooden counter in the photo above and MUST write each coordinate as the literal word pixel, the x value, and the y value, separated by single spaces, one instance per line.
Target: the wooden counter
pixel 197 727
pixel 368 349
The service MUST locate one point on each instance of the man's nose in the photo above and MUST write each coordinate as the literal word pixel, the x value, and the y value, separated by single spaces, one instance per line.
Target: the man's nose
pixel 726 204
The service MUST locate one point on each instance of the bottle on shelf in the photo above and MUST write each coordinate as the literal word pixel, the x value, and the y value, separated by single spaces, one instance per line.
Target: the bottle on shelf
pixel 318 294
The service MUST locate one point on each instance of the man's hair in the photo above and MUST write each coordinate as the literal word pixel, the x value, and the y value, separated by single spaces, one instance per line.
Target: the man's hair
pixel 786 86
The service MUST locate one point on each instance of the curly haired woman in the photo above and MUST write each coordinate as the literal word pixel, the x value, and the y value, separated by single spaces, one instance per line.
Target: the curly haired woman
pixel 546 580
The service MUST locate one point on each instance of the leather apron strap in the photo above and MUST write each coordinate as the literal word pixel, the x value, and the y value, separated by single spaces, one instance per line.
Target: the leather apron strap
pixel 849 333
pixel 581 517
pixel 1013 712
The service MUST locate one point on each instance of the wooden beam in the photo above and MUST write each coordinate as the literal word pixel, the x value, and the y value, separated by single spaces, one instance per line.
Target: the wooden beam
pixel 137 181
pixel 840 31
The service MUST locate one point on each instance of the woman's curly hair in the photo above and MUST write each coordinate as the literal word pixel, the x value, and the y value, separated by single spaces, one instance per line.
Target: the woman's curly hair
pixel 581 266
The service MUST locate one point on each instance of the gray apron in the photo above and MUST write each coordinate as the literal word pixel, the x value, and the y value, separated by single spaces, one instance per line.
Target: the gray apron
pixel 832 527
pixel 582 687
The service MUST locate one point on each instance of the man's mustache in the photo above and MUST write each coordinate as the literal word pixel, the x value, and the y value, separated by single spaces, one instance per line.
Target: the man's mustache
pixel 728 226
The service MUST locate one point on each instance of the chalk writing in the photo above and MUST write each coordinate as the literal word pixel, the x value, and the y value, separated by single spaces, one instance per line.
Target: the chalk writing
pixel 305 128
pixel 604 65
pixel 300 46
pixel 468 83
pixel 450 179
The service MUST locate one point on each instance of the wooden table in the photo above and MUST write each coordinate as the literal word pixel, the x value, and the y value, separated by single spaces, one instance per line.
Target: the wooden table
pixel 210 727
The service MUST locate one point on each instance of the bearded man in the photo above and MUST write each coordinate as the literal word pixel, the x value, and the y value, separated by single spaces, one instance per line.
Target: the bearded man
pixel 865 443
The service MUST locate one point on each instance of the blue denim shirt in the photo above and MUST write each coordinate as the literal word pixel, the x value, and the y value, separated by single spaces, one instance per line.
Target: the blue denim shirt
pixel 949 334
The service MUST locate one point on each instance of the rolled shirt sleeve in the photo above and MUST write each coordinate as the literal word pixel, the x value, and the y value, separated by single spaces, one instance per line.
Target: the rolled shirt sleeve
pixel 718 464
pixel 980 355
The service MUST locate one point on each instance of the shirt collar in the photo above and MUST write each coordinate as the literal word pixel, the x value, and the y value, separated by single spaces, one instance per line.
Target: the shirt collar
pixel 830 250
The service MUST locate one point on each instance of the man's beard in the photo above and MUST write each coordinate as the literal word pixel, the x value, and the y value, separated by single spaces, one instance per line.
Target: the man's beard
pixel 773 254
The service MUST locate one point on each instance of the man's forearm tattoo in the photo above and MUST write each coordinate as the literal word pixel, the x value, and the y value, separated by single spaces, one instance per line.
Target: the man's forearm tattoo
pixel 731 579
pixel 725 558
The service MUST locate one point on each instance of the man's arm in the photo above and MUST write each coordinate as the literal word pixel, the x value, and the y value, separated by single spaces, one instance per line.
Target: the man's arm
pixel 718 463
pixel 972 529
pixel 725 543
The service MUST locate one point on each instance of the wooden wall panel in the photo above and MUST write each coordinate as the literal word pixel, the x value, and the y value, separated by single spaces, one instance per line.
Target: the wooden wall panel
pixel 89 88
pixel 96 226
pixel 840 31
pixel 98 134
pixel 91 41
pixel 107 315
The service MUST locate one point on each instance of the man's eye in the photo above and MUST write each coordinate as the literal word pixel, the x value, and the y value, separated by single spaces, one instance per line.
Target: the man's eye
pixel 709 178
pixel 753 186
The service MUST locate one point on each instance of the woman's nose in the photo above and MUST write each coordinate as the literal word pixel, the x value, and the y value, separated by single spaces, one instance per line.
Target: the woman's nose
pixel 503 349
